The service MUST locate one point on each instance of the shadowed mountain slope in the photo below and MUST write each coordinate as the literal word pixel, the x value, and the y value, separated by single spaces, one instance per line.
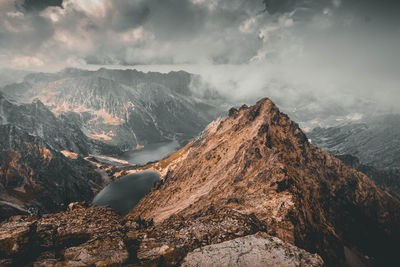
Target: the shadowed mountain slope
pixel 259 161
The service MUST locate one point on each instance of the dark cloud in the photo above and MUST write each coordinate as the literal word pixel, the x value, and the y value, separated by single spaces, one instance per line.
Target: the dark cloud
pixel 176 18
pixel 167 19
pixel 275 6
pixel 24 34
pixel 127 15
pixel 37 5
pixel 286 49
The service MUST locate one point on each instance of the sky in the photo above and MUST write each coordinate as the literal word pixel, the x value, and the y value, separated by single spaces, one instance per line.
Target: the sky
pixel 242 47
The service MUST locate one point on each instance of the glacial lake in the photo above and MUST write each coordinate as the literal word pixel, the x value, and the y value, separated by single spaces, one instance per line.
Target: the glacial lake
pixel 124 193
pixel 150 152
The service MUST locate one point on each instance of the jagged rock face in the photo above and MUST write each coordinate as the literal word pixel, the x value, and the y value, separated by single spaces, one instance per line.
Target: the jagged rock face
pixel 123 108
pixel 375 140
pixel 259 161
pixel 253 250
pixel 33 174
pixel 97 236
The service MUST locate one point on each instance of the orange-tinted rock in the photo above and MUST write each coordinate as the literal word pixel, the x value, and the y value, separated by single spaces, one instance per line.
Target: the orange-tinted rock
pixel 259 161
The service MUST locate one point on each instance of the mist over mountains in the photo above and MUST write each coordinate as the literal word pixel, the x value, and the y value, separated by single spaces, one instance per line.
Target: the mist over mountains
pixel 199 133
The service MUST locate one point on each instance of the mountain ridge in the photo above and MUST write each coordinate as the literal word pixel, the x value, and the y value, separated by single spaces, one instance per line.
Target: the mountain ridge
pixel 124 108
pixel 259 161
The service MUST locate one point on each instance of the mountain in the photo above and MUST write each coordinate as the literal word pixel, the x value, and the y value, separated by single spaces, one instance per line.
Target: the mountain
pixel 34 175
pixel 41 164
pixel 61 133
pixel 124 108
pixel 374 140
pixel 259 162
pixel 251 185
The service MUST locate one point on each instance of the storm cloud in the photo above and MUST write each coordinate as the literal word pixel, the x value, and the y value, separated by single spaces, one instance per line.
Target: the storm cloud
pixel 36 5
pixel 244 48
pixel 173 31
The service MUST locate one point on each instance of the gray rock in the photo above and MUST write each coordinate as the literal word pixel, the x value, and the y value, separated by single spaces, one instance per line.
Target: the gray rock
pixel 254 250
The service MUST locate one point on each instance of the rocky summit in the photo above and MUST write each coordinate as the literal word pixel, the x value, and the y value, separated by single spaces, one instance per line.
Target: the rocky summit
pixel 250 190
pixel 258 161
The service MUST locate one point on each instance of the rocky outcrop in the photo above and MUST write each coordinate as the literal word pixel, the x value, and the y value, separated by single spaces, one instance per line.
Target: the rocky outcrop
pixel 79 237
pixel 259 161
pixel 253 250
pixel 97 236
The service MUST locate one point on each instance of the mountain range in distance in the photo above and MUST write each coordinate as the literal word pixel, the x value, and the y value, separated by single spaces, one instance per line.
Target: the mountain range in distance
pixel 124 108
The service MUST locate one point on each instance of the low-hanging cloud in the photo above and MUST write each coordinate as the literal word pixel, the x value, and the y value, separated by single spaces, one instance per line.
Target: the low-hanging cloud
pixel 286 49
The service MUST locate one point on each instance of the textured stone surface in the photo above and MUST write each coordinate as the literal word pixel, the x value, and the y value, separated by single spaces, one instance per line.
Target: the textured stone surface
pixel 80 237
pixel 252 251
pixel 259 161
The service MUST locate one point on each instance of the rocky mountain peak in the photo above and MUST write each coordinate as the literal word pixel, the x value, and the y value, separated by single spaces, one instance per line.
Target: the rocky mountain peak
pixel 258 161
pixel 269 122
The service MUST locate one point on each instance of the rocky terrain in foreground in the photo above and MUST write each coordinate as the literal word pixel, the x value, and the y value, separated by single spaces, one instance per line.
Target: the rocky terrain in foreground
pixel 97 236
pixel 252 179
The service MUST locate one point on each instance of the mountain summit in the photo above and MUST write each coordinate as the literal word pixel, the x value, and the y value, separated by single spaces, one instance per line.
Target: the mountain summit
pixel 258 161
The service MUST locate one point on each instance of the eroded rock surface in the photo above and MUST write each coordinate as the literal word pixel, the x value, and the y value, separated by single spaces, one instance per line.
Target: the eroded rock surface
pixel 253 250
pixel 98 236
pixel 259 161
pixel 79 237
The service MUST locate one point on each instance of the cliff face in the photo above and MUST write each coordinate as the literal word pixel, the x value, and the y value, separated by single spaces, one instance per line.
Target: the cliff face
pixel 259 161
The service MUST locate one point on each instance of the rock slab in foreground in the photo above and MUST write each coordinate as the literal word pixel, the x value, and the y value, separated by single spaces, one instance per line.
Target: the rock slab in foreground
pixel 254 250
